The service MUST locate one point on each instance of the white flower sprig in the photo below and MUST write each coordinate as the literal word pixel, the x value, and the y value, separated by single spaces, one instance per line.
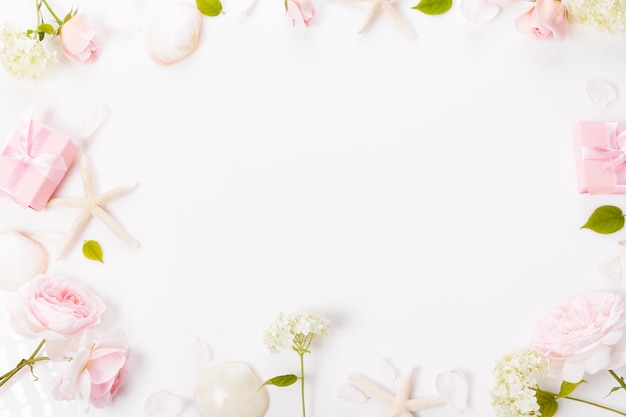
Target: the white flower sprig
pixel 24 56
pixel 295 331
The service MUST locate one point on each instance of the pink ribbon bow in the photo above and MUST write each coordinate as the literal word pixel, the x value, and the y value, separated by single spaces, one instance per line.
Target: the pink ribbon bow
pixel 28 155
pixel 614 154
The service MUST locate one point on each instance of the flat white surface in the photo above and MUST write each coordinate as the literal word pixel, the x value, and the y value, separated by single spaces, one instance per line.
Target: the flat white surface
pixel 420 193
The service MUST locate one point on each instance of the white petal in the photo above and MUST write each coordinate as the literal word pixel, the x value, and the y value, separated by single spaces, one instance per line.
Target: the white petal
pixel 201 351
pixel 93 119
pixel 21 258
pixel 452 386
pixel 250 9
pixel 611 268
pixel 600 92
pixel 479 11
pixel 350 393
pixel 387 371
pixel 163 404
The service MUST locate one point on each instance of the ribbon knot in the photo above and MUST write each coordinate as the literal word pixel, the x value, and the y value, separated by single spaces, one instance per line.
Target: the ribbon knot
pixel 614 153
pixel 28 154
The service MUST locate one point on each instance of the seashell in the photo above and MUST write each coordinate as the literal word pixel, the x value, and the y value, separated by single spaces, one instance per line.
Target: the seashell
pixel 231 389
pixel 21 258
pixel 173 33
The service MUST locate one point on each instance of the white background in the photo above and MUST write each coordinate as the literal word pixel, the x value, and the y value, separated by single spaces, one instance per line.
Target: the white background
pixel 420 193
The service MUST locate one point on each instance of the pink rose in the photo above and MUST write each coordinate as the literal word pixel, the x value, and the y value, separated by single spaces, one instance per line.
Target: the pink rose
pixel 544 19
pixel 583 335
pixel 301 11
pixel 96 370
pixel 55 308
pixel 78 39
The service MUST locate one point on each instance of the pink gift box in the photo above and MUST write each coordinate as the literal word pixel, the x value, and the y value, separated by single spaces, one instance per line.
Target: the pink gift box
pixel 34 163
pixel 600 152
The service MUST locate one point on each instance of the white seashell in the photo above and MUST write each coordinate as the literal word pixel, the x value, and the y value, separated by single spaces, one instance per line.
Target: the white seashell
pixel 479 11
pixel 231 389
pixel 173 33
pixel 21 258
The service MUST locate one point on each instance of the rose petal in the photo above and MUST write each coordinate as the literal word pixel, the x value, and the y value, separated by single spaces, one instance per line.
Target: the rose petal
pixel 201 351
pixel 387 370
pixel 611 268
pixel 163 404
pixel 600 92
pixel 479 11
pixel 92 120
pixel 452 386
pixel 350 393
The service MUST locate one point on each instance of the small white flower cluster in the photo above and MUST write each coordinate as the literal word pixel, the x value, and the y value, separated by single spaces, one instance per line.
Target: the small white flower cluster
pixel 285 328
pixel 604 15
pixel 22 56
pixel 515 377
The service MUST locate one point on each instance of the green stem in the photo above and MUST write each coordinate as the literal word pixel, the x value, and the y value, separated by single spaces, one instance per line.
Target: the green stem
pixel 59 21
pixel 25 362
pixel 302 383
pixel 619 380
pixel 596 404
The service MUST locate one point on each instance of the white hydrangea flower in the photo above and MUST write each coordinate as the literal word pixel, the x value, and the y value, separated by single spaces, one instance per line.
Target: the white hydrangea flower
pixel 290 330
pixel 515 375
pixel 604 15
pixel 22 56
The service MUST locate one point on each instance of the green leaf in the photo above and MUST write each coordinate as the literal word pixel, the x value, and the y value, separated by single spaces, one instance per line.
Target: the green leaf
pixel 433 7
pixel 568 387
pixel 92 250
pixel 547 404
pixel 281 380
pixel 209 7
pixel 46 28
pixel 613 390
pixel 605 220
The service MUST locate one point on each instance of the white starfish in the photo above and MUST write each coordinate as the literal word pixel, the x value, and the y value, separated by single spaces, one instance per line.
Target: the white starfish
pixel 92 205
pixel 401 404
pixel 388 7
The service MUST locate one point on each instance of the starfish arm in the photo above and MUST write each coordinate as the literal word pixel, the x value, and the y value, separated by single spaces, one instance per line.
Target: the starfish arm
pixel 418 404
pixel 76 228
pixel 398 20
pixel 114 194
pixel 372 389
pixel 67 202
pixel 87 178
pixel 105 218
pixel 371 15
pixel 404 386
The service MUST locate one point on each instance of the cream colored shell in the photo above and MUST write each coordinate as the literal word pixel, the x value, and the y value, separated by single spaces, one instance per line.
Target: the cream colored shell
pixel 231 390
pixel 173 33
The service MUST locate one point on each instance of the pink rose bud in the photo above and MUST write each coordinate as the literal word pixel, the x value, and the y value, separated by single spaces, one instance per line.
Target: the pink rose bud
pixel 301 11
pixel 78 39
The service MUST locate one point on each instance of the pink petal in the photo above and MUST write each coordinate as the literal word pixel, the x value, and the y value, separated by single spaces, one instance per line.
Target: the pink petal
pixel 479 11
pixel 452 386
pixel 105 368
pixel 600 92
pixel 163 404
